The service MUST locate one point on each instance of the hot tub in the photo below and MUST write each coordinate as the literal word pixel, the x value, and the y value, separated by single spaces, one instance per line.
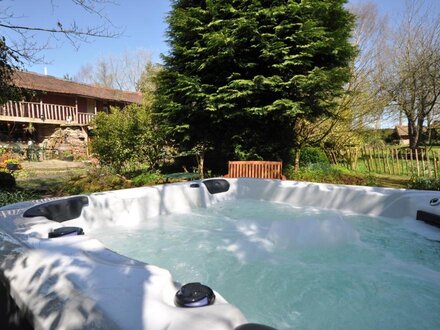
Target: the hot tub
pixel 74 281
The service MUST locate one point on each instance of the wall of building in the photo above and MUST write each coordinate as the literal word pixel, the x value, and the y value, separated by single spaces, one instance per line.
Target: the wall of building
pixel 86 105
pixel 57 99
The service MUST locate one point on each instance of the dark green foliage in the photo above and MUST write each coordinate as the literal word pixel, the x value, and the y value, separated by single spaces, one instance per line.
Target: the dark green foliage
pixel 94 181
pixel 240 73
pixel 312 155
pixel 147 179
pixel 103 180
pixel 7 181
pixel 15 196
pixel 422 183
pixel 7 89
pixel 388 135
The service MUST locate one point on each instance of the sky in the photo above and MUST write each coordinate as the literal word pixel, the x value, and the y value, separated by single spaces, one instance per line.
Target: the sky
pixel 141 23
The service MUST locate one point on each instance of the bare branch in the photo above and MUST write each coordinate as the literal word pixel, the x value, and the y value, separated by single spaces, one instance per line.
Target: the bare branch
pixel 414 67
pixel 98 32
pixel 121 71
pixel 22 39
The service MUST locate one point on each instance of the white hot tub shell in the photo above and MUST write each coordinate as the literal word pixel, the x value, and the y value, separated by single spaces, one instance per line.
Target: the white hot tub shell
pixel 74 282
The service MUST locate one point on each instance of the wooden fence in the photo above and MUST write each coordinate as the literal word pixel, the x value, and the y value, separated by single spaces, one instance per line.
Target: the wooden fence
pixel 392 161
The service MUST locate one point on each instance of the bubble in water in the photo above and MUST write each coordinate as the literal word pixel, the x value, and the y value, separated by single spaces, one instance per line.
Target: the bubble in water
pixel 311 230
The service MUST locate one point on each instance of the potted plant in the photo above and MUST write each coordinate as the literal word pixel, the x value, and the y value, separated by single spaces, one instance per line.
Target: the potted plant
pixel 12 164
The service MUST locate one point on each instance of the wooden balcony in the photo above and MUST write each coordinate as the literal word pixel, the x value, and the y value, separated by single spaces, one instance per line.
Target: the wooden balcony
pixel 43 113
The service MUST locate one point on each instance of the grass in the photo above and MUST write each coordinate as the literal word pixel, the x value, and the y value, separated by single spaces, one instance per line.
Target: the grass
pixel 391 181
pixel 46 182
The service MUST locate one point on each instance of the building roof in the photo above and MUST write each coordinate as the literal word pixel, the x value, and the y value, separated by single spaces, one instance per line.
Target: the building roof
pixel 402 130
pixel 34 81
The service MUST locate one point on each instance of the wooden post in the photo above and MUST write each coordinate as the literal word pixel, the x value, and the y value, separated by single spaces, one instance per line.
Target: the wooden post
pixel 387 159
pixel 335 156
pixel 391 161
pixel 437 157
pixel 377 152
pixel 356 158
pixel 417 162
pixel 411 161
pixel 423 161
pixel 364 158
pixel 395 162
pixel 374 159
pixel 76 119
pixel 383 161
pixel 399 172
pixel 406 164
pixel 428 161
pixel 435 166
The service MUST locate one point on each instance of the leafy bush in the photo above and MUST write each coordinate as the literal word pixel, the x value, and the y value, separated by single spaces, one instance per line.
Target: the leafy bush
pixel 7 181
pixel 312 155
pixel 147 179
pixel 11 197
pixel 125 138
pixel 424 183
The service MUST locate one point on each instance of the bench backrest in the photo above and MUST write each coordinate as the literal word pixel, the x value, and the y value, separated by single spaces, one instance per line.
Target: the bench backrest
pixel 255 169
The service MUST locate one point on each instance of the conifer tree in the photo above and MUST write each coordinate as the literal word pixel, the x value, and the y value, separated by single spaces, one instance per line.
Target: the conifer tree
pixel 8 91
pixel 240 73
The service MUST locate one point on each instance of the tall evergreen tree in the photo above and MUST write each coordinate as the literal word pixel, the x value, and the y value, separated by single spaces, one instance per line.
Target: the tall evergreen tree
pixel 240 73
pixel 7 89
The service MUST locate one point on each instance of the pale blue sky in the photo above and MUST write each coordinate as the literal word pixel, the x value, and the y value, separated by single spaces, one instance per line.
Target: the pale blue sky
pixel 142 22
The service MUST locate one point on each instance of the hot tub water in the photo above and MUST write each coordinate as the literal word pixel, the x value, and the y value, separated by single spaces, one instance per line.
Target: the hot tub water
pixel 302 268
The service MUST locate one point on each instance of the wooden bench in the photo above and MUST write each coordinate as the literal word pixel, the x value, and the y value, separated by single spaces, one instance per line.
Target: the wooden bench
pixel 255 169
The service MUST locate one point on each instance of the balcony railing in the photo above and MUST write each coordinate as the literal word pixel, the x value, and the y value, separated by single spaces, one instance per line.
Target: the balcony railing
pixel 44 113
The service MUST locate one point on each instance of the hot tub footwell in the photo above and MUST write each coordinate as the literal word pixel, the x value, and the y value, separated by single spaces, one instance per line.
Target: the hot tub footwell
pixel 11 317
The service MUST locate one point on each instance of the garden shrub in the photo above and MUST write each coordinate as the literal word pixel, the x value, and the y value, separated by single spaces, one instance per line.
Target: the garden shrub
pixel 125 139
pixel 421 183
pixel 11 197
pixel 312 155
pixel 147 179
pixel 7 181
pixel 94 181
pixel 289 172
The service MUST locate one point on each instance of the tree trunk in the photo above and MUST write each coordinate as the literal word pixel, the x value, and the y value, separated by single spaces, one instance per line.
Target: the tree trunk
pixel 420 131
pixel 413 134
pixel 200 164
pixel 296 161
